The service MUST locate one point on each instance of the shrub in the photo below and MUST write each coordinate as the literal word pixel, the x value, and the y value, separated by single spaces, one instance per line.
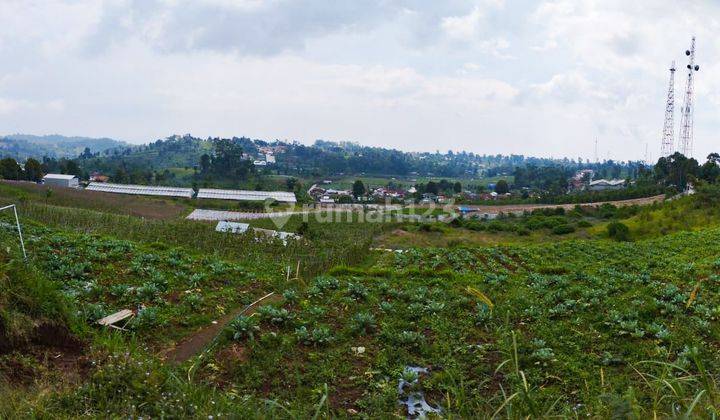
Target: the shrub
pixel 522 231
pixel 563 229
pixel 147 292
pixel 319 336
pixel 483 314
pixel 274 315
pixel 410 338
pixel 386 306
pixel 363 323
pixel 193 300
pixel 433 307
pixel 618 231
pixel 357 291
pixel 583 224
pixel 146 318
pixel 243 327
pixel 475 225
pixel 326 283
pixel 290 296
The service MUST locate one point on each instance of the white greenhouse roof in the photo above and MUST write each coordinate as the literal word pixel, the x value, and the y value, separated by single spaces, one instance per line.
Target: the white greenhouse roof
pixel 232 227
pixel 140 190
pixel 59 176
pixel 611 182
pixel 244 195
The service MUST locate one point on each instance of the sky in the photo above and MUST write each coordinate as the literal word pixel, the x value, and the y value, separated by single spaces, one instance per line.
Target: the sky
pixel 541 78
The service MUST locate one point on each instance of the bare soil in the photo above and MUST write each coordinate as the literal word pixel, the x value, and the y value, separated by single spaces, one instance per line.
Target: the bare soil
pixel 54 348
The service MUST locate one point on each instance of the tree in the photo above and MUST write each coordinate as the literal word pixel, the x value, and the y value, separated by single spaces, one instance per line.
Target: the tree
pixel 86 154
pixel 432 188
pixel 120 176
pixel 358 188
pixel 33 170
pixel 205 163
pixel 70 167
pixel 676 170
pixel 618 231
pixel 291 183
pixel 502 187
pixel 457 187
pixel 710 171
pixel 228 157
pixel 444 185
pixel 9 169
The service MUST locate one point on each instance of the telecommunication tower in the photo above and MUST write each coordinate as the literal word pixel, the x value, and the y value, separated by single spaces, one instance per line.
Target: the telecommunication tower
pixel 686 122
pixel 668 137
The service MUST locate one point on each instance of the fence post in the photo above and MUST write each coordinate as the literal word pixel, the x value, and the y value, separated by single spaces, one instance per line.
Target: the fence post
pixel 22 243
pixel 17 223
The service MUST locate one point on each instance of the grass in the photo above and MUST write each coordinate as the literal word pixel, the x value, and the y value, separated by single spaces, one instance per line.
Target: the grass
pixel 538 328
pixel 537 226
pixel 146 207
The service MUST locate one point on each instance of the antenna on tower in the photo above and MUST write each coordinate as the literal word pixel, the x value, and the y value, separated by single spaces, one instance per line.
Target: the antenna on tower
pixel 686 123
pixel 668 137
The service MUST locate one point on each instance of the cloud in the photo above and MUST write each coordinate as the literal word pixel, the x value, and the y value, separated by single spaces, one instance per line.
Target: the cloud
pixel 469 26
pixel 524 77
pixel 243 27
pixel 464 27
pixel 571 87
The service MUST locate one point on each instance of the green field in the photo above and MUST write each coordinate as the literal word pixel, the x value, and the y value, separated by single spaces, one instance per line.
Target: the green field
pixel 510 318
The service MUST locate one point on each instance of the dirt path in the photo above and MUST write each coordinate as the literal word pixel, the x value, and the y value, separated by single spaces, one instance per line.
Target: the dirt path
pixel 511 208
pixel 198 341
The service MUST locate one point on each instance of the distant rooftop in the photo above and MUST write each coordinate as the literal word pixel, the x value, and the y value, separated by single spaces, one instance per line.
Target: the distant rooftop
pixel 59 176
pixel 611 182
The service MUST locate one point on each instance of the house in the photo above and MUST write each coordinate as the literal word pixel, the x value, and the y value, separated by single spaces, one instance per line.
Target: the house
pixel 383 192
pixel 326 200
pixel 269 158
pixel 581 178
pixel 607 184
pixel 466 210
pixel 61 180
pixel 331 192
pixel 260 163
pixel 98 177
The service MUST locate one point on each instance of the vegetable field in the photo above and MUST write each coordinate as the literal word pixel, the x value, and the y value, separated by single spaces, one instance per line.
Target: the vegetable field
pixel 573 328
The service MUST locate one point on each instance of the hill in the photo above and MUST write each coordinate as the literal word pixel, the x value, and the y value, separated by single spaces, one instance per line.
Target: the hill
pixel 23 146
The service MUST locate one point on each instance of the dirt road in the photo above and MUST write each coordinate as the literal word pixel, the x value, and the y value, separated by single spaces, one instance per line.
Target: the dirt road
pixel 518 208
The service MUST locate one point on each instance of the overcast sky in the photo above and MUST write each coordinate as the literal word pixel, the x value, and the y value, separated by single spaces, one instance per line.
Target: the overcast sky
pixel 487 76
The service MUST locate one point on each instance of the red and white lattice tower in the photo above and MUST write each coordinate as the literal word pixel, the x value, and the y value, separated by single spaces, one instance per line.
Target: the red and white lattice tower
pixel 668 136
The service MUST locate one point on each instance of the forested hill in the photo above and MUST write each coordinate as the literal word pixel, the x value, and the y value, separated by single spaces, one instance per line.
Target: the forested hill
pixel 323 158
pixel 23 146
